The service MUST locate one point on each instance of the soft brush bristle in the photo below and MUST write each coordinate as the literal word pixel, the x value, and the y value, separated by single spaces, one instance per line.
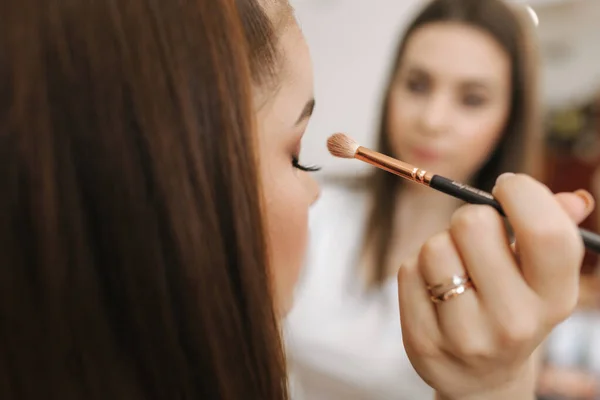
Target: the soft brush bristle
pixel 340 145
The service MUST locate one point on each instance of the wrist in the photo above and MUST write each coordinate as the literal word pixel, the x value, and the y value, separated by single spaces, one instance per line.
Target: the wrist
pixel 521 388
pixel 512 394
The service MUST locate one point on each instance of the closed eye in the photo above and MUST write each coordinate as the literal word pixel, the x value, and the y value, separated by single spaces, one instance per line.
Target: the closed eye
pixel 311 168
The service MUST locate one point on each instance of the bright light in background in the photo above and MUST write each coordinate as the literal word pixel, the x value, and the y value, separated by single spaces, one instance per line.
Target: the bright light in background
pixel 533 15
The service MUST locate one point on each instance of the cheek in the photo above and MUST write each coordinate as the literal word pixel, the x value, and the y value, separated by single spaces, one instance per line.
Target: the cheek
pixel 401 119
pixel 478 137
pixel 286 209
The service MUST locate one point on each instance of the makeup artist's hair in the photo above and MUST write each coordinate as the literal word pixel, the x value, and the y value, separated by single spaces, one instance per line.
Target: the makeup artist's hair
pixel 519 149
pixel 132 259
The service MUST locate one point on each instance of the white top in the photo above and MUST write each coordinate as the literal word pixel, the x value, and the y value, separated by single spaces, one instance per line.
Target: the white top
pixel 341 342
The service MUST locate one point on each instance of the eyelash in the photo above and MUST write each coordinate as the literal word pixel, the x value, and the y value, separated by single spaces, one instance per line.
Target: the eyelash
pixel 296 164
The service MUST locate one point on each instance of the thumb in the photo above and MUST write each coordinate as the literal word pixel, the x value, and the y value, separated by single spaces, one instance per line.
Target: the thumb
pixel 578 205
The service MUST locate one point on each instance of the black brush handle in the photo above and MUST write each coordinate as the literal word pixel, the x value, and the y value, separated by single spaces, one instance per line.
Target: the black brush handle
pixel 472 195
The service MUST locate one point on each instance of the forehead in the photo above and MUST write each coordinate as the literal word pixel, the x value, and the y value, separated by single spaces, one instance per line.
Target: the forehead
pixel 295 73
pixel 456 51
pixel 292 62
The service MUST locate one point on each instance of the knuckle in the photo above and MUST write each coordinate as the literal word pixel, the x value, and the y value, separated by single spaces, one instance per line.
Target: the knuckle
pixel 421 345
pixel 473 219
pixel 435 248
pixel 564 307
pixel 517 332
pixel 515 182
pixel 473 350
pixel 406 270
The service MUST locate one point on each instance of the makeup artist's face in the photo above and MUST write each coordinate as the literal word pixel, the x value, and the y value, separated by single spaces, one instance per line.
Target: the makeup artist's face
pixel 450 99
pixel 289 190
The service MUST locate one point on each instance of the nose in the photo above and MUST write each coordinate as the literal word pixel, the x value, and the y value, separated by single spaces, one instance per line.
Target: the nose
pixel 436 113
pixel 312 187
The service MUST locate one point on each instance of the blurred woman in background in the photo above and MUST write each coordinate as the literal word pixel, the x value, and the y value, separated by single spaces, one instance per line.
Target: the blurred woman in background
pixel 461 102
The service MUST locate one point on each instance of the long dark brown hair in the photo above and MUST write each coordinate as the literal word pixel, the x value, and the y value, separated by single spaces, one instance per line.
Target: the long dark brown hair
pixel 132 259
pixel 519 149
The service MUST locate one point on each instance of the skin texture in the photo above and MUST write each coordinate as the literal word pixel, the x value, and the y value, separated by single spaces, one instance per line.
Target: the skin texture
pixel 288 191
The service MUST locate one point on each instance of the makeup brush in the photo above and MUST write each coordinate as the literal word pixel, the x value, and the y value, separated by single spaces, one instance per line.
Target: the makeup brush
pixel 340 145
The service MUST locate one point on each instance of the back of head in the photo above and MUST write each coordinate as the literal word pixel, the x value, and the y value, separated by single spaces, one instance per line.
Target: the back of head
pixel 519 148
pixel 132 263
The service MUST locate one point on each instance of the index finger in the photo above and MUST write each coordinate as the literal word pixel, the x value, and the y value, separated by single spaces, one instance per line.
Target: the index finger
pixel 550 248
pixel 571 203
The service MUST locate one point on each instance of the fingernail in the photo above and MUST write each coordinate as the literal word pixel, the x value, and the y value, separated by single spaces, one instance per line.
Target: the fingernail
pixel 587 198
pixel 501 178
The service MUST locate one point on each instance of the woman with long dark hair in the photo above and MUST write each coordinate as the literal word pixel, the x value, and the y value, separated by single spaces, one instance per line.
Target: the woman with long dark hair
pixel 154 213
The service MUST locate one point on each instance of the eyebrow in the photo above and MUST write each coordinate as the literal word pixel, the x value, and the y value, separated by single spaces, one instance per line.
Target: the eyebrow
pixel 307 111
pixel 469 83
pixel 476 84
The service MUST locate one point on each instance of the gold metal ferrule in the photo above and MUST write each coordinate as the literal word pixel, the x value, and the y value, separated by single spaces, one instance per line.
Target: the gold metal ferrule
pixel 394 166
